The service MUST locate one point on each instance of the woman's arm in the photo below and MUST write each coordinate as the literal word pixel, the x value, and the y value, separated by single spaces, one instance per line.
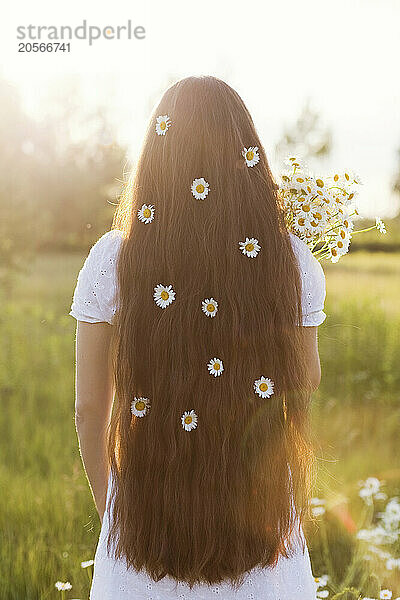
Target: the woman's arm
pixel 311 347
pixel 93 404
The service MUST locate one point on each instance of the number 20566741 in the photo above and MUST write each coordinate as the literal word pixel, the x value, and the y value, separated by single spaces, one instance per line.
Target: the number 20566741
pixel 44 47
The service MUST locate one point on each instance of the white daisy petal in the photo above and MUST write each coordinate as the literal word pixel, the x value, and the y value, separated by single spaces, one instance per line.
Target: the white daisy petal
pixel 189 420
pixel 264 387
pixel 250 247
pixel 163 123
pixel 210 307
pixel 163 295
pixel 200 188
pixel 215 367
pixel 146 213
pixel 140 406
pixel 251 156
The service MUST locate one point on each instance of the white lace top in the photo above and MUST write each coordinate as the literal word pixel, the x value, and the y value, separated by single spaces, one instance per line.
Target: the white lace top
pixel 291 578
pixel 94 297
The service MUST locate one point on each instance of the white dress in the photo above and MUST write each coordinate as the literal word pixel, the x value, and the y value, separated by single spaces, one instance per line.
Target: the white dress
pixel 291 578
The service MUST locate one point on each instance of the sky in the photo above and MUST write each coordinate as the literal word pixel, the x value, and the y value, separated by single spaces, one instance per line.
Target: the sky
pixel 342 56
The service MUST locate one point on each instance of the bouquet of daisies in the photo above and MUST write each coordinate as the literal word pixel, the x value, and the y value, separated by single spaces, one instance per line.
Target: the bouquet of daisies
pixel 321 211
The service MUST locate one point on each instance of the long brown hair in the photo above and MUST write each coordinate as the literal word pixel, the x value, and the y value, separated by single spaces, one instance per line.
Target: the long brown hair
pixel 209 504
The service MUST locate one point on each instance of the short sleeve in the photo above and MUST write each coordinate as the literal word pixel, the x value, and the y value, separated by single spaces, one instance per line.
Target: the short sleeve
pixel 312 283
pixel 94 299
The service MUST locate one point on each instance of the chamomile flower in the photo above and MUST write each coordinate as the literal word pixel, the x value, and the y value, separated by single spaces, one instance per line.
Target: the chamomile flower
pixel 200 188
pixel 215 367
pixel 163 295
pixel 321 581
pixel 299 181
pixel 250 247
pixel 163 123
pixel 210 307
pixel 322 594
pixel 264 387
pixel 385 595
pixel 63 586
pixel 146 213
pixel 300 223
pixel 251 156
pixel 140 406
pixel 380 225
pixel 189 420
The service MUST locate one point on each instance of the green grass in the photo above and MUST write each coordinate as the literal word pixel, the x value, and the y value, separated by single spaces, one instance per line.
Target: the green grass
pixel 48 523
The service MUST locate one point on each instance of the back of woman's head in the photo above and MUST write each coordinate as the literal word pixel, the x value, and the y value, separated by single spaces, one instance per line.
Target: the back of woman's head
pixel 206 503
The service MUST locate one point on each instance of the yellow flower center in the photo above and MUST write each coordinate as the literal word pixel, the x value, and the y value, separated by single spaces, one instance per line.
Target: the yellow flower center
pixel 188 420
pixel 210 307
pixel 306 207
pixel 342 234
pixel 140 405
pixel 334 253
pixel 318 216
pixel 263 387
pixel 319 183
pixel 250 155
pixel 314 223
pixel 217 366
pixel 164 295
pixel 336 178
pixel 163 125
pixel 351 196
pixel 147 213
pixel 340 244
pixel 347 176
pixel 300 179
pixel 301 221
pixel 200 188
pixel 249 247
pixel 346 223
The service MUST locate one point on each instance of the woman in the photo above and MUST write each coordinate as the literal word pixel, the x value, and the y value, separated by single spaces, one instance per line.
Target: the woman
pixel 203 470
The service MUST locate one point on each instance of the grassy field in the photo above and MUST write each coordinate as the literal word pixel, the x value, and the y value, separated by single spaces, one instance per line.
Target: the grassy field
pixel 48 524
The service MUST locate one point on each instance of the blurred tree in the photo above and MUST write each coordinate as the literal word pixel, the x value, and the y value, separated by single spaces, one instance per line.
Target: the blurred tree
pixel 59 177
pixel 307 137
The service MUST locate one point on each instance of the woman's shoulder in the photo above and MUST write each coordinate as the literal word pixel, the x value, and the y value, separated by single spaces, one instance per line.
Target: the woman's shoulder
pixel 108 244
pixel 95 293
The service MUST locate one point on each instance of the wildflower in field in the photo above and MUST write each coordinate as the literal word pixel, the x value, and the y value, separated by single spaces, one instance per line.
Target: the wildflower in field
pixel 380 225
pixel 318 511
pixel 369 488
pixel 392 563
pixel 87 563
pixel 63 586
pixel 322 593
pixel 321 581
pixel 385 595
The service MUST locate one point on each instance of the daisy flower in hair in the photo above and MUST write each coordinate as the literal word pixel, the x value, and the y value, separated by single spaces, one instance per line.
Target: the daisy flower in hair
pixel 251 156
pixel 163 123
pixel 200 188
pixel 210 307
pixel 163 295
pixel 146 213
pixel 250 247
pixel 189 420
pixel 215 367
pixel 140 406
pixel 264 387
